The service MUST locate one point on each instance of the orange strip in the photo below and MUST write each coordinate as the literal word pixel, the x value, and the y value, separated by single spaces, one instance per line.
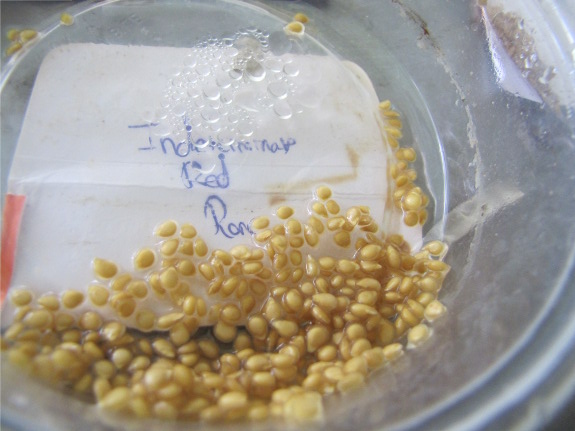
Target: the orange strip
pixel 13 208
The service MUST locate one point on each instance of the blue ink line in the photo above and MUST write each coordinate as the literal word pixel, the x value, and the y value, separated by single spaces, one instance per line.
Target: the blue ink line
pixel 218 211
pixel 212 181
pixel 142 126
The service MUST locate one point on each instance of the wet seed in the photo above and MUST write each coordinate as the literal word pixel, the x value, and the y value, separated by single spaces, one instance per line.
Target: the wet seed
pixel 72 298
pixel 104 269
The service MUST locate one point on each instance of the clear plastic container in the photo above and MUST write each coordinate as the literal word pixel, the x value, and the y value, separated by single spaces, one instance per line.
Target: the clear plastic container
pixel 499 166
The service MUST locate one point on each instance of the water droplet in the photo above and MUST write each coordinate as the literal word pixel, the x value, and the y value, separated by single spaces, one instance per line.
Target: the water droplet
pixel 236 74
pixel 225 139
pixel 161 114
pixel 278 89
pixel 282 109
pixel 203 134
pixel 180 136
pixel 274 64
pixel 230 52
pixel 214 103
pixel 297 107
pixel 291 69
pixel 161 129
pixel 195 121
pixel 212 93
pixel 191 60
pixel 179 109
pixel 211 115
pixel 203 69
pixel 266 102
pixel 226 98
pixel 148 116
pixel 233 118
pixel 255 71
pixel 175 71
pixel 223 80
pixel 194 93
pixel 244 128
pixel 247 100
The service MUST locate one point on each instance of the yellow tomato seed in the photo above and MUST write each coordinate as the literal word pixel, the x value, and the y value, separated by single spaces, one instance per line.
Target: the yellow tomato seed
pixel 20 297
pixel 286 328
pixel 225 332
pixel 187 231
pixel 27 35
pixel 392 351
pixel 230 314
pixel 66 19
pixel 260 223
pixel 145 319
pixel 116 399
pixel 316 337
pixel 104 269
pixel 200 248
pixel 418 335
pixel 411 218
pixel 434 310
pixel 166 229
pixel 284 212
pixel 168 320
pixel 98 295
pixel 137 288
pixel 40 319
pixel 72 298
pixel 332 207
pixel 301 17
pixel 50 302
pixel 295 28
pixel 169 247
pixel 90 320
pixel 144 259
pixel 169 278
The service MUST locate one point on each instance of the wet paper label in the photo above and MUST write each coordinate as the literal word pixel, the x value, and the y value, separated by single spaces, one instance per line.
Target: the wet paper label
pixel 117 139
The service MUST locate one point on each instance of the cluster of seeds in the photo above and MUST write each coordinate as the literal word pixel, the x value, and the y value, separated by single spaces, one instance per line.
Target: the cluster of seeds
pixel 18 39
pixel 287 327
pixel 407 196
pixel 257 331
pixel 297 26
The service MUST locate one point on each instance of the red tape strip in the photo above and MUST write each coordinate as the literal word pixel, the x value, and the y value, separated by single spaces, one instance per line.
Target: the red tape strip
pixel 13 208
